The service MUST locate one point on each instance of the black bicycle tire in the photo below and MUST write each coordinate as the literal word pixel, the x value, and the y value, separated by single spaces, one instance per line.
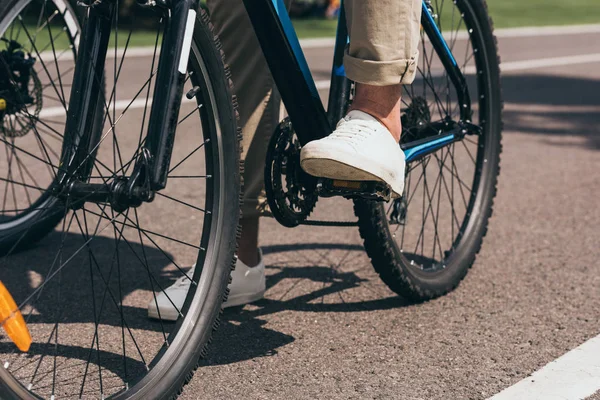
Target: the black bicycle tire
pixel 167 382
pixel 379 242
pixel 27 234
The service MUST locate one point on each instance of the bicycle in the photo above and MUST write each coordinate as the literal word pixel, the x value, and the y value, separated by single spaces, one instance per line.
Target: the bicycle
pixel 133 211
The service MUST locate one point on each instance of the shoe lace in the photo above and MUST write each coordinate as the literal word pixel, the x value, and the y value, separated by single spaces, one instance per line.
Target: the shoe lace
pixel 353 131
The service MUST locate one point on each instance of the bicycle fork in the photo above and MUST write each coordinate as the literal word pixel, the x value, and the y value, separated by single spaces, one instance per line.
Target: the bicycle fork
pixel 87 105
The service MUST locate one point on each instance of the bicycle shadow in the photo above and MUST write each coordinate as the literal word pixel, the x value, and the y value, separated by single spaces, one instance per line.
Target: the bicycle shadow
pixel 63 287
pixel 24 272
pixel 243 335
pixel 553 105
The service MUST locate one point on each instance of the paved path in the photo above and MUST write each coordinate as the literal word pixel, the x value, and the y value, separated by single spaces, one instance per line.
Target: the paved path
pixel 329 328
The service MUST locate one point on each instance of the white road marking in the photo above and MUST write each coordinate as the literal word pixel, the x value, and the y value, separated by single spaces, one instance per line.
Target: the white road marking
pixel 142 51
pixel 552 108
pixel 317 43
pixel 549 62
pixel 323 85
pixel 547 30
pixel 573 376
pixel 511 66
pixel 535 31
pixel 119 105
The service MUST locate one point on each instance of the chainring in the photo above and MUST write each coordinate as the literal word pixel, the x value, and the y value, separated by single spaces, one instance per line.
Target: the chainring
pixel 291 193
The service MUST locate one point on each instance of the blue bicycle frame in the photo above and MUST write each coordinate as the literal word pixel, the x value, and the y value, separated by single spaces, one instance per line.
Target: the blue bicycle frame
pixel 292 76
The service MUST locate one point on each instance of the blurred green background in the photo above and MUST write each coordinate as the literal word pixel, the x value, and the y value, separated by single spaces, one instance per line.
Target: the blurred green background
pixel 310 20
pixel 505 14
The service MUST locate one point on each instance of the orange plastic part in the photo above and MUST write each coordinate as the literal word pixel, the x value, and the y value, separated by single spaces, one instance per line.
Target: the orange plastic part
pixel 12 320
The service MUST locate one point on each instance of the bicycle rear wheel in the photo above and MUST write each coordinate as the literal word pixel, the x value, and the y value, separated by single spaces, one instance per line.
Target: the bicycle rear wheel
pixel 423 244
pixel 35 121
pixel 85 287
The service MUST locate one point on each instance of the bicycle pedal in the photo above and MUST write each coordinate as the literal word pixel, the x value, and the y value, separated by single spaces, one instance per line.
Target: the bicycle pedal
pixel 368 190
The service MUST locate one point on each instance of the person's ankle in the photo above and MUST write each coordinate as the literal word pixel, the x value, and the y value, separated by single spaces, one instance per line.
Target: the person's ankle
pixel 393 125
pixel 381 102
pixel 250 259
pixel 248 242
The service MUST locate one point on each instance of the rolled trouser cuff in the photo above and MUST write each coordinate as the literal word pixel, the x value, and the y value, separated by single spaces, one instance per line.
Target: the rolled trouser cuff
pixel 381 73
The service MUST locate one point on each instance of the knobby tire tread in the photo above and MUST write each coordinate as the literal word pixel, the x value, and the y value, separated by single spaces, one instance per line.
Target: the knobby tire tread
pixel 205 20
pixel 378 241
pixel 176 387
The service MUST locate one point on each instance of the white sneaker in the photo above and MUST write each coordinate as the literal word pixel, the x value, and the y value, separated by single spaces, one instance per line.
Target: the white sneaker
pixel 177 293
pixel 360 149
pixel 247 285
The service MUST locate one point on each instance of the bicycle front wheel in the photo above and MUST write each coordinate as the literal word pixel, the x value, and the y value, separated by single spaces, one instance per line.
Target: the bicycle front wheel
pixel 423 244
pixel 85 287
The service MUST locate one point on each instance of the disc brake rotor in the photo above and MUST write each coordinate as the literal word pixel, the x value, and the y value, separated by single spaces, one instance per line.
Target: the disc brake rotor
pixel 20 92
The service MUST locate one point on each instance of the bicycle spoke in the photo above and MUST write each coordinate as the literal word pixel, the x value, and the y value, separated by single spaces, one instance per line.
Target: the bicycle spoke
pixel 148 90
pixel 188 156
pixel 181 202
pixel 100 261
pixel 12 182
pixel 40 58
pixel 145 262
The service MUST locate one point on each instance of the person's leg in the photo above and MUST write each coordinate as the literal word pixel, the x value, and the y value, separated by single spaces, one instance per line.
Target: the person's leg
pixel 382 102
pixel 259 104
pixel 381 57
pixel 383 51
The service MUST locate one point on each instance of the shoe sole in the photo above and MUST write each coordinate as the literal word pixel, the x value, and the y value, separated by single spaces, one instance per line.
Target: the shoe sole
pixel 242 299
pixel 232 301
pixel 170 315
pixel 336 169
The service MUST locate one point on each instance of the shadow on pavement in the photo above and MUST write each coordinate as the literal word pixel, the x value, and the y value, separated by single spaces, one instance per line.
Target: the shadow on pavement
pixel 24 271
pixel 84 276
pixel 338 281
pixel 243 335
pixel 553 105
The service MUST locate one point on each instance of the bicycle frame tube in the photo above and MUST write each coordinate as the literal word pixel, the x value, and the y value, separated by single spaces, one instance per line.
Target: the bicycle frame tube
pixel 172 69
pixel 289 68
pixel 295 83
pixel 86 104
pixel 445 54
pixel 339 91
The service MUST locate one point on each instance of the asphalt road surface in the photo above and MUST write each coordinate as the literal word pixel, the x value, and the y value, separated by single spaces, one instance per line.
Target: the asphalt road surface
pixel 329 328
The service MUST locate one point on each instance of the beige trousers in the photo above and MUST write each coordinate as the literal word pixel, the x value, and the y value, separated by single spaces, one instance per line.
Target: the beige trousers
pixel 383 50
